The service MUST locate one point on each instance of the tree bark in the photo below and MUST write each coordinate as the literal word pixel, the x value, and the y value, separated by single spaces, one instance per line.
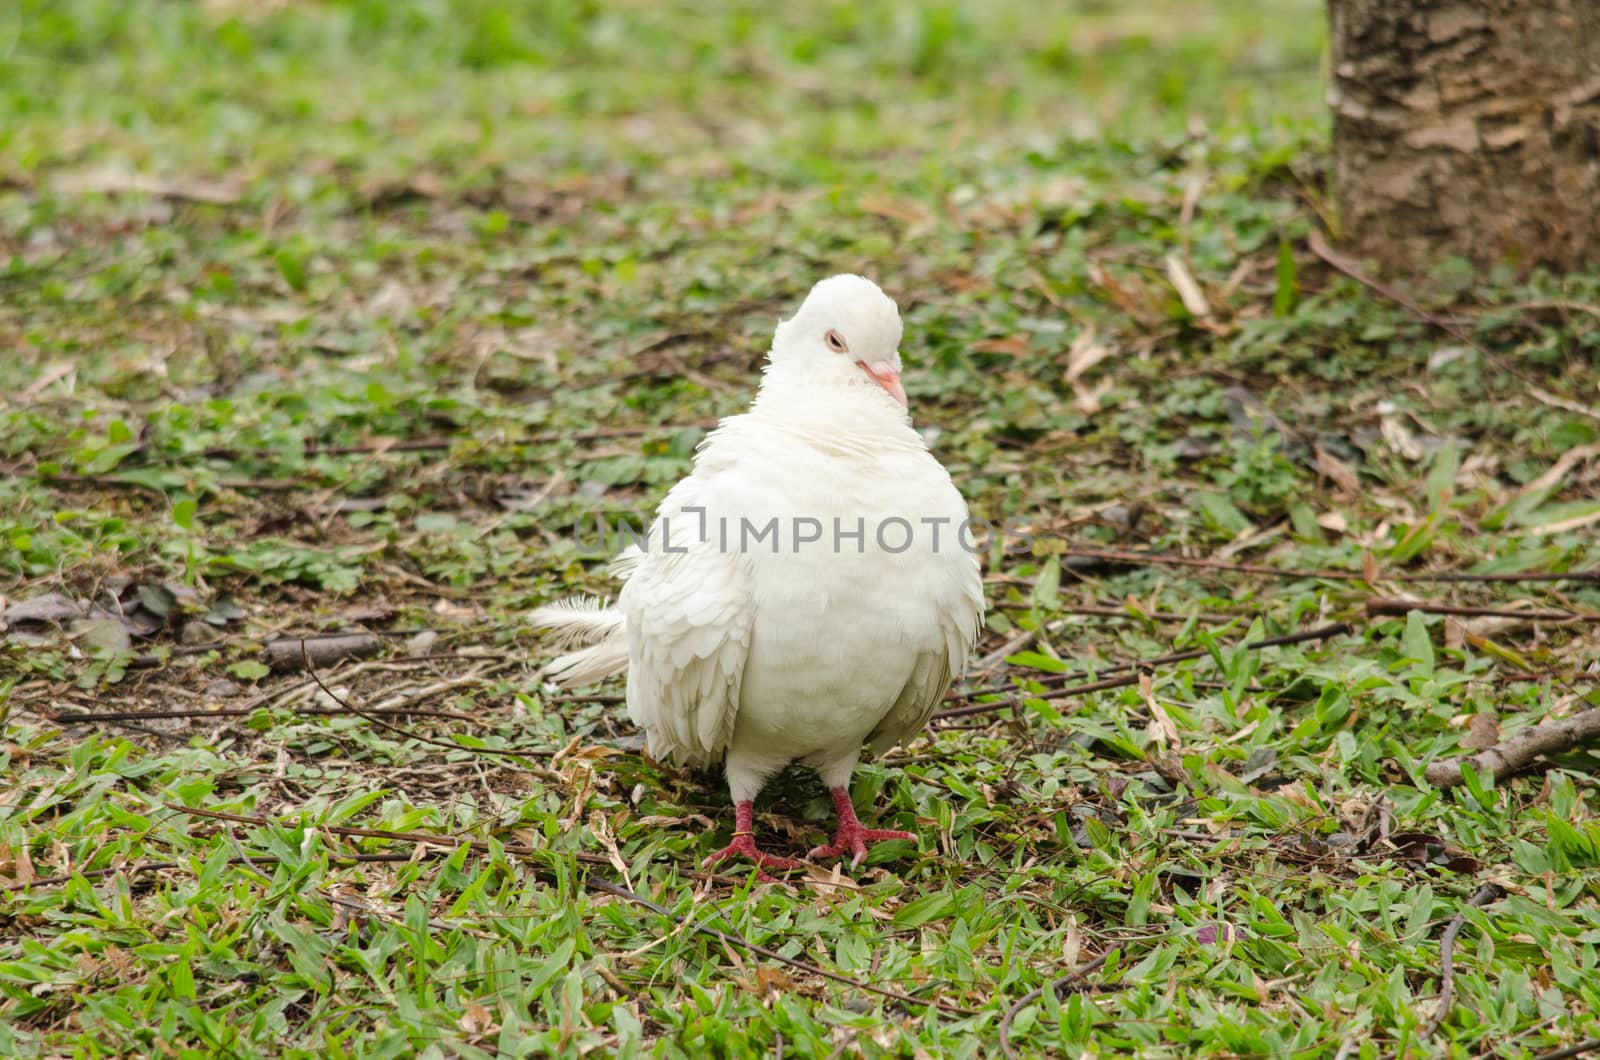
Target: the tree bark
pixel 1467 128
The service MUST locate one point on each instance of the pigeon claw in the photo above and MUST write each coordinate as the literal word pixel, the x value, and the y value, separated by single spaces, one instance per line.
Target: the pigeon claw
pixel 852 838
pixel 744 846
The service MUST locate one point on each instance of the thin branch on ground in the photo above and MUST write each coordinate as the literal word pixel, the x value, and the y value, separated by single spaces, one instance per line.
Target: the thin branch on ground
pixel 1124 612
pixel 1447 947
pixel 1551 736
pixel 1319 247
pixel 513 752
pixel 1166 559
pixel 1142 666
pixel 1514 676
pixel 1559 305
pixel 244 712
pixel 426 839
pixel 587 697
pixel 428 445
pixel 1037 992
pixel 1020 642
pixel 285 653
pixel 1062 678
pixel 362 907
pixel 1384 605
pixel 1588 1045
pixel 251 860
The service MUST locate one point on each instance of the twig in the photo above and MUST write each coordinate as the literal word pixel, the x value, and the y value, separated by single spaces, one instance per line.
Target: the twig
pixel 251 860
pixel 1551 736
pixel 1033 995
pixel 1559 305
pixel 1320 248
pixel 1021 642
pixel 1104 611
pixel 425 445
pixel 1588 1045
pixel 244 712
pixel 1133 556
pixel 410 734
pixel 1157 660
pixel 245 857
pixel 1447 947
pixel 1384 605
pixel 426 839
pixel 1141 666
pixel 362 907
pixel 587 697
pixel 410 445
pixel 285 652
pixel 65 478
pixel 1514 676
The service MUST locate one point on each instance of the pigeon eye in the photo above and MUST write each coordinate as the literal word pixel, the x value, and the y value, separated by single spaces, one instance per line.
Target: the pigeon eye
pixel 836 342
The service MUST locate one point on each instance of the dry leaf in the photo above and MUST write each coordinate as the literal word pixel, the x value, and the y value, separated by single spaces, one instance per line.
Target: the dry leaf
pixel 1012 345
pixel 50 375
pixel 1483 732
pixel 1084 354
pixel 475 1019
pixel 1086 398
pixel 1575 523
pixel 1401 438
pixel 1558 471
pixel 904 210
pixel 698 820
pixel 1369 568
pixel 772 981
pixel 594 751
pixel 17 864
pixel 1125 299
pixel 1337 471
pixel 454 612
pixel 1194 299
pixel 114 180
pixel 1161 728
pixel 1072 943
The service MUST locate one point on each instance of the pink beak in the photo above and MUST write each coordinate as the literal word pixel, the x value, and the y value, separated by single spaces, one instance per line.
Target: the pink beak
pixel 887 376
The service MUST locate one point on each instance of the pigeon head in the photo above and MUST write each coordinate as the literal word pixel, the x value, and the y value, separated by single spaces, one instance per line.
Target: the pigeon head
pixel 847 329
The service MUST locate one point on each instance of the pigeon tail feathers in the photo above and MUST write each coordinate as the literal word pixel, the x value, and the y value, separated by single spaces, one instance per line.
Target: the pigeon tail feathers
pixel 599 631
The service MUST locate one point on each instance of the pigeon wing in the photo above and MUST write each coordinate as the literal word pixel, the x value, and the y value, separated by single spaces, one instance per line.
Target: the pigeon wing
pixel 690 615
pixel 933 670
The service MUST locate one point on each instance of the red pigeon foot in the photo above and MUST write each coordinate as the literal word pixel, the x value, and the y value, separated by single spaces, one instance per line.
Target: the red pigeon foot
pixel 744 844
pixel 852 837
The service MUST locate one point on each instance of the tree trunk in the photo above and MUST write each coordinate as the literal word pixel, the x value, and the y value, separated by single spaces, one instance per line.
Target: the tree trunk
pixel 1468 128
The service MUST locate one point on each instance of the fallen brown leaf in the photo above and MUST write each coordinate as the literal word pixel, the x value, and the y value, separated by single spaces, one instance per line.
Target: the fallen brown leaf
pixel 1483 731
pixel 1336 471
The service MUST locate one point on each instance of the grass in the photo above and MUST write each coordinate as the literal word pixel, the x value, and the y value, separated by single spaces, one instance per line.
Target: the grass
pixel 351 315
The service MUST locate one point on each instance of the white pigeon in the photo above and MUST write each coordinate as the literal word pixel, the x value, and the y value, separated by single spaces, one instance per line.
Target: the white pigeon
pixel 811 587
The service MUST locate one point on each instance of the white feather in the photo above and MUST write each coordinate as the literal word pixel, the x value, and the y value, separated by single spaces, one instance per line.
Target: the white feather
pixel 577 620
pixel 590 666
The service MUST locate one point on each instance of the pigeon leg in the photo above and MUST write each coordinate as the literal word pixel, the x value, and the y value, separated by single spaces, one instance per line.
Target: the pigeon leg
pixel 852 837
pixel 744 843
